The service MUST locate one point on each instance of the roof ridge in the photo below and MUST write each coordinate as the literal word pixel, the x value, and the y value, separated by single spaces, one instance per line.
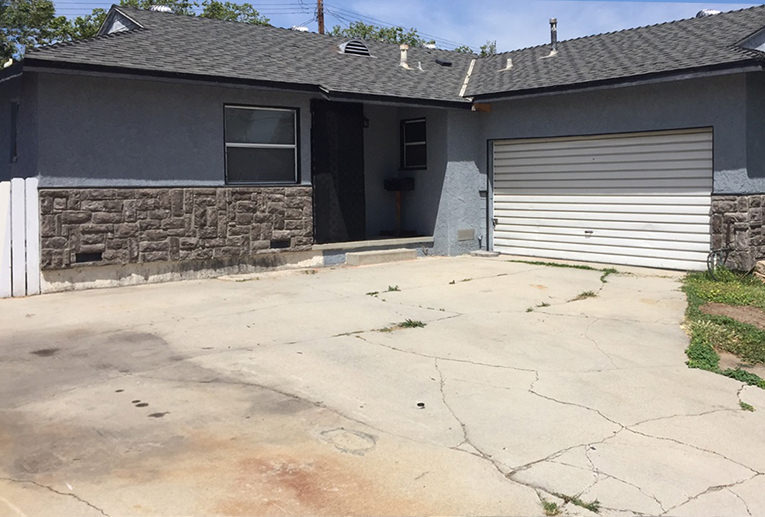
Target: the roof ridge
pixel 79 41
pixel 629 29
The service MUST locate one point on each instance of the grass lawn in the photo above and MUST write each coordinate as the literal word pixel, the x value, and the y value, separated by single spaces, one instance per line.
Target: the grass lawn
pixel 713 333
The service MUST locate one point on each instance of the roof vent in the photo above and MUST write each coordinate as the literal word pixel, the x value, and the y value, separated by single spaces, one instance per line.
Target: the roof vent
pixel 355 47
pixel 299 28
pixel 161 8
pixel 707 12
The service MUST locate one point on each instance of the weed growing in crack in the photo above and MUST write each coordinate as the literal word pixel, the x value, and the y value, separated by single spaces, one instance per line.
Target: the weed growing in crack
pixel 466 280
pixel 745 406
pixel 373 293
pixel 392 288
pixel 593 506
pixel 452 282
pixel 606 273
pixel 529 309
pixel 406 324
pixel 543 304
pixel 550 508
pixel 583 296
pixel 555 264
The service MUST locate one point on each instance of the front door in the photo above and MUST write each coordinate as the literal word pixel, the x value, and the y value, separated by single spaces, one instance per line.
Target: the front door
pixel 337 171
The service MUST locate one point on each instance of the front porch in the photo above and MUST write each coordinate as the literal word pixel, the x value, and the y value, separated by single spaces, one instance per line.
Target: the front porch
pixel 377 175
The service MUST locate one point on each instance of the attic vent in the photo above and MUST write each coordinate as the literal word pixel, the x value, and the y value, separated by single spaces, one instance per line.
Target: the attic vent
pixel 160 8
pixel 354 46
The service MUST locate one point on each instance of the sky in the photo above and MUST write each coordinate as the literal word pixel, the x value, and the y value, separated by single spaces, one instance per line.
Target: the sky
pixel 513 24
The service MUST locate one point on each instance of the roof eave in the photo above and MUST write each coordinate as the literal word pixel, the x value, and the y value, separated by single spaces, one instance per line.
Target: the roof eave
pixel 38 65
pixel 749 65
pixel 15 70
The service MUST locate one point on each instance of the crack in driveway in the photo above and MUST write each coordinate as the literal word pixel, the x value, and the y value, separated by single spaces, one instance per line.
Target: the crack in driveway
pixel 57 492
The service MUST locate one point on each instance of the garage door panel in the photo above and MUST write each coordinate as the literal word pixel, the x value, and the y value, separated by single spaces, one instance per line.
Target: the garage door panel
pixel 607 225
pixel 628 199
pixel 649 160
pixel 633 191
pixel 506 215
pixel 615 251
pixel 603 207
pixel 703 200
pixel 608 175
pixel 625 240
pixel 629 260
pixel 509 231
pixel 607 141
pixel 512 183
pixel 663 147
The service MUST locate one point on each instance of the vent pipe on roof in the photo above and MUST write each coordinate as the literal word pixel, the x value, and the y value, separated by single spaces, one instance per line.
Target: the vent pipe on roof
pixel 554 35
pixel 404 50
pixel 160 8
pixel 707 12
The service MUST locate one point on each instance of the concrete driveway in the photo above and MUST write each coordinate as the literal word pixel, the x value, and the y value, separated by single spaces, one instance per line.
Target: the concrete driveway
pixel 280 396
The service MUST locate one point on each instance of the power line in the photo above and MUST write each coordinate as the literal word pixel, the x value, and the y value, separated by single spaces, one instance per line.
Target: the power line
pixel 350 16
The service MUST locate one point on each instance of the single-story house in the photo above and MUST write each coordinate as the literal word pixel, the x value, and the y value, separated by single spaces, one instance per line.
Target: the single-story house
pixel 173 143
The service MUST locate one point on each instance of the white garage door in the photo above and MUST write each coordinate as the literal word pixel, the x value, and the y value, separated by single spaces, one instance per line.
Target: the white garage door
pixel 639 198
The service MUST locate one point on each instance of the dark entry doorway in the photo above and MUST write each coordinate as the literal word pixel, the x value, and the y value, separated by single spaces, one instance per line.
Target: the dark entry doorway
pixel 337 171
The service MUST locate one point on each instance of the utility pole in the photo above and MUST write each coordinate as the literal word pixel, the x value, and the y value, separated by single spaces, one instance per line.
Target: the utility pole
pixel 320 15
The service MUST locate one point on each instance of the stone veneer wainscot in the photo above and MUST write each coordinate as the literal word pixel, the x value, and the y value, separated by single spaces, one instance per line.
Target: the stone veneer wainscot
pixel 737 222
pixel 211 226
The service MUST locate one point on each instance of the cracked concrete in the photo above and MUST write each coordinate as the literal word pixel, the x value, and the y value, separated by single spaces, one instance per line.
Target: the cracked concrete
pixel 278 395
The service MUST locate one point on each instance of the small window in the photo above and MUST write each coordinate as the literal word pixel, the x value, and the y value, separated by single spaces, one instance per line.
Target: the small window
pixel 261 145
pixel 14 146
pixel 414 149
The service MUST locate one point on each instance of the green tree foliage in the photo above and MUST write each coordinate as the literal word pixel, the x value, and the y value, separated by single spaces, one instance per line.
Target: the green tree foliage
pixel 464 49
pixel 31 23
pixel 386 34
pixel 488 49
pixel 26 23
pixel 232 12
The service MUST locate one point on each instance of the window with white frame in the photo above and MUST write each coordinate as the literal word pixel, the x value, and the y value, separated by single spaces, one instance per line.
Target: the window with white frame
pixel 414 149
pixel 261 145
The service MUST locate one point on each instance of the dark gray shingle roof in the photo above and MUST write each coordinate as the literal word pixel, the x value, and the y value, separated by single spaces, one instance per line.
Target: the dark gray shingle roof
pixel 176 44
pixel 666 47
pixel 205 47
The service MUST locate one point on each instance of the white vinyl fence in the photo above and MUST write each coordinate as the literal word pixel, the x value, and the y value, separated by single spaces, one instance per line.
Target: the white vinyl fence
pixel 19 238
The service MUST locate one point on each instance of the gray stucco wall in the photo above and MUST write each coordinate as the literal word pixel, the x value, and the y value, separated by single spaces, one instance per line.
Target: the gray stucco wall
pixel 143 132
pixel 755 130
pixel 719 102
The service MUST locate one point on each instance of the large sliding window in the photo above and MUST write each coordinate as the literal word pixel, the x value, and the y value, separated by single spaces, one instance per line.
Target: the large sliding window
pixel 261 145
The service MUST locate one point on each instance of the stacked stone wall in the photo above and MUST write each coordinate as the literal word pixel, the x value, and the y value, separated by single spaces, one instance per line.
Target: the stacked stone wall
pixel 212 226
pixel 737 223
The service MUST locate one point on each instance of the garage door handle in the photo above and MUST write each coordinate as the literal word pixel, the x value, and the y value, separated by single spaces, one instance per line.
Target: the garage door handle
pixel 588 232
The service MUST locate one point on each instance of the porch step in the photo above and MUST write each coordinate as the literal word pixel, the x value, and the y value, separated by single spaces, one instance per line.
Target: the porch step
pixel 364 258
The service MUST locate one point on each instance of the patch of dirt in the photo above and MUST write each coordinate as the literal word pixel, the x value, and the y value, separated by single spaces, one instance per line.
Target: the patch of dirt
pixel 744 314
pixel 728 360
